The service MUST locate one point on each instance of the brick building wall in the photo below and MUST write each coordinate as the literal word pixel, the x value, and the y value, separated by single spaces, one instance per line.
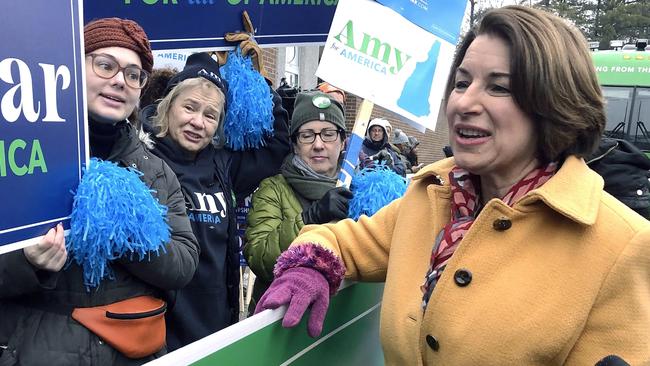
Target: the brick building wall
pixel 270 57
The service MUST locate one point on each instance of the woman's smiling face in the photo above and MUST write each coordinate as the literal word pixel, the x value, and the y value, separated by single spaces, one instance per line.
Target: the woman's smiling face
pixel 489 133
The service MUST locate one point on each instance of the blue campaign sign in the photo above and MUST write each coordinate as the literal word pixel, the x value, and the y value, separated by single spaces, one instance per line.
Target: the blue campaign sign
pixel 42 136
pixel 201 24
pixel 441 18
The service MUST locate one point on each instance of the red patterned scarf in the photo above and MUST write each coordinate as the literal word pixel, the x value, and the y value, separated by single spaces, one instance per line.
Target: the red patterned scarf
pixel 465 206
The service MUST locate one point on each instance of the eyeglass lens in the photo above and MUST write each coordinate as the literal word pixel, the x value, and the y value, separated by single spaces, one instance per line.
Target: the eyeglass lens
pixel 107 67
pixel 307 137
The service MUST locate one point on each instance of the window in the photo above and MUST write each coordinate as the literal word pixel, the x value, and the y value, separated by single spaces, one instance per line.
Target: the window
pixel 292 66
pixel 617 108
pixel 627 110
pixel 641 119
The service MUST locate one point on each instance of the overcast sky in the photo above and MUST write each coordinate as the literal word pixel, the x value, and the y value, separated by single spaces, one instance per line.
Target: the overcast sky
pixel 481 4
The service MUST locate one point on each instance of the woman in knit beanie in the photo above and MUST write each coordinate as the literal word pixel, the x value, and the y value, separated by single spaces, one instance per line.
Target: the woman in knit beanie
pixel 124 37
pixel 304 192
pixel 36 325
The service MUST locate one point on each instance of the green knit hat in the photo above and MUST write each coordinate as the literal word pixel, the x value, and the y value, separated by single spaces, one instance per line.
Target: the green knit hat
pixel 316 106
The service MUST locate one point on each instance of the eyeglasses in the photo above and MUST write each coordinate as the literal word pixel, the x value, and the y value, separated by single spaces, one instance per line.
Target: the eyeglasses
pixel 326 135
pixel 106 67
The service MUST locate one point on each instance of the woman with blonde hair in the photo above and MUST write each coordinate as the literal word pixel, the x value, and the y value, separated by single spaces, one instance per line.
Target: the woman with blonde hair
pixel 188 130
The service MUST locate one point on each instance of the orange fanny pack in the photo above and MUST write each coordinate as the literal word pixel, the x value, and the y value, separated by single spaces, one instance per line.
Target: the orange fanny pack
pixel 135 327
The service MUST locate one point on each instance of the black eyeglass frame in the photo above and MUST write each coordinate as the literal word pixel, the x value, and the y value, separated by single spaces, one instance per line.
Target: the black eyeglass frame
pixel 339 133
pixel 118 69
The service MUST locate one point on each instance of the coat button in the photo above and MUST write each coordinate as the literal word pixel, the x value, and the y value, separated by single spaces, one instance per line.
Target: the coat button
pixel 462 277
pixel 502 224
pixel 433 343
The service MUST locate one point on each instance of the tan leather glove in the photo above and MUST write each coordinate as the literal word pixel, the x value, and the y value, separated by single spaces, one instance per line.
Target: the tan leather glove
pixel 222 56
pixel 247 44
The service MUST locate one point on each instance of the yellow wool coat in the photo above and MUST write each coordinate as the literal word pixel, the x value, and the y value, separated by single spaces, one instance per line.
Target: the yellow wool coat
pixel 561 278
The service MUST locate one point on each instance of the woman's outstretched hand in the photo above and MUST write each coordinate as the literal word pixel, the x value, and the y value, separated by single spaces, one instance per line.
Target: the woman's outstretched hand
pixel 300 288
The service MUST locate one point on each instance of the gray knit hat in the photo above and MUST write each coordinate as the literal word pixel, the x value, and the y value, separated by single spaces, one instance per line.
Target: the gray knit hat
pixel 316 106
pixel 400 137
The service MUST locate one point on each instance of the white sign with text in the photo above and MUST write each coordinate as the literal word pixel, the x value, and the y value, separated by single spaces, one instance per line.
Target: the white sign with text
pixel 377 54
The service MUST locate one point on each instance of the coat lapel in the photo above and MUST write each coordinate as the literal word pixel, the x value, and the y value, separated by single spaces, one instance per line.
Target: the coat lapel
pixel 574 191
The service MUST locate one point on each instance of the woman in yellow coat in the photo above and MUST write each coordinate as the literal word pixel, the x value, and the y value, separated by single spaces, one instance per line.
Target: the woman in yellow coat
pixel 509 253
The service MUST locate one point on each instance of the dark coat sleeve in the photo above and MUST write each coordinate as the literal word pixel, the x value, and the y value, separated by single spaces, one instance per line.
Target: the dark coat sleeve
pixel 398 164
pixel 175 268
pixel 249 167
pixel 19 277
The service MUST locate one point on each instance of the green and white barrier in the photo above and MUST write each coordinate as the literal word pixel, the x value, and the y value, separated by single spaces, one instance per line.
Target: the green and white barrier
pixel 350 337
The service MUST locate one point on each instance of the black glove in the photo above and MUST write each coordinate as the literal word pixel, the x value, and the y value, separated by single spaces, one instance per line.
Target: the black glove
pixel 333 206
pixel 383 156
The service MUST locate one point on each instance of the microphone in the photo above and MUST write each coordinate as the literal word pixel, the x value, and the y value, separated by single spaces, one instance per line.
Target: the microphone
pixel 612 360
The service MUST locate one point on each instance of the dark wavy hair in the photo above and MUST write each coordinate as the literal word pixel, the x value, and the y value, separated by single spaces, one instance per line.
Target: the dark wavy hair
pixel 156 85
pixel 552 78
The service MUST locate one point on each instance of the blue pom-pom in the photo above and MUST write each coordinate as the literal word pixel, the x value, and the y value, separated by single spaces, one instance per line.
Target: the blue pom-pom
pixel 249 116
pixel 373 189
pixel 113 214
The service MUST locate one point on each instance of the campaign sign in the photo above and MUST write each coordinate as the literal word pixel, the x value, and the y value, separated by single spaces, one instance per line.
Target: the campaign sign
pixel 377 54
pixel 243 207
pixel 201 24
pixel 173 59
pixel 442 18
pixel 42 135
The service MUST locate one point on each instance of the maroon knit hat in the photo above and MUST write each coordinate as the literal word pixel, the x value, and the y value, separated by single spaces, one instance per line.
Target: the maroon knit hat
pixel 116 32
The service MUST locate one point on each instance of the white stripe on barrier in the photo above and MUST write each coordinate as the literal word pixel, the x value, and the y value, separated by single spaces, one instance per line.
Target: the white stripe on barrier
pixel 328 335
pixel 204 347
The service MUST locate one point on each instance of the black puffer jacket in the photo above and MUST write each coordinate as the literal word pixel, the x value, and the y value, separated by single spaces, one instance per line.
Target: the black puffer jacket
pixel 35 324
pixel 626 171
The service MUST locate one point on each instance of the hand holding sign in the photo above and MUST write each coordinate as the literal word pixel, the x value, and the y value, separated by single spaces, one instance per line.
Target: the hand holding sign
pixel 249 47
pixel 50 253
pixel 247 44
